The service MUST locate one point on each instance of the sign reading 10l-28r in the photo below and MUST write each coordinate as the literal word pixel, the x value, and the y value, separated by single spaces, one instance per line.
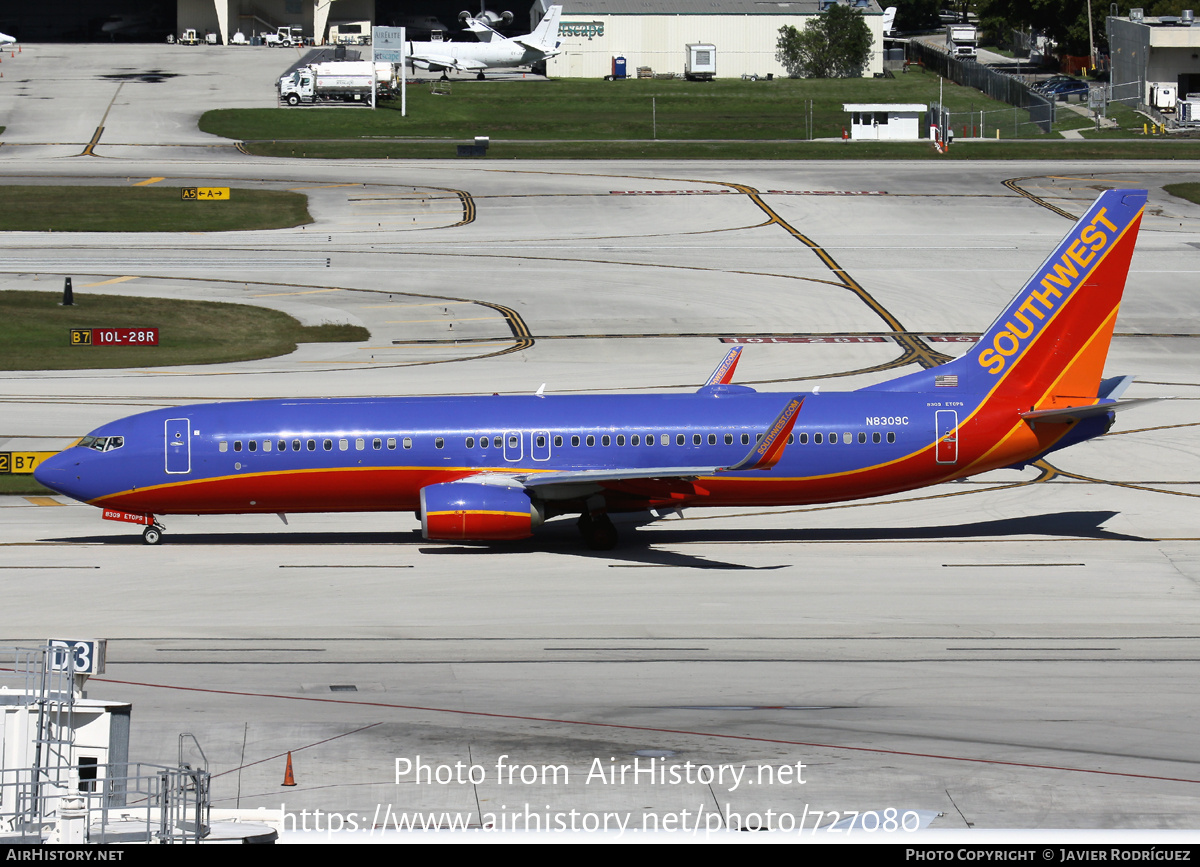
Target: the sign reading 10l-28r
pixel 114 337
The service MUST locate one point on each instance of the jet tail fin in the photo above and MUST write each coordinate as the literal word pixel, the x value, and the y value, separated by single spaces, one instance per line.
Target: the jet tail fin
pixel 1048 348
pixel 545 35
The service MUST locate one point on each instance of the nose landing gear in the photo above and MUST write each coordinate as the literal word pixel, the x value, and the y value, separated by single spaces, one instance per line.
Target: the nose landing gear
pixel 152 535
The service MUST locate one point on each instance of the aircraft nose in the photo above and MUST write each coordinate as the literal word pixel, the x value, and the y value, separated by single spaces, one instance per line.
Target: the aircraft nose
pixel 55 473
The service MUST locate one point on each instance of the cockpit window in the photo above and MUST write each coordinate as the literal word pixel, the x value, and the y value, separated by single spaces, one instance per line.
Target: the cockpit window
pixel 102 444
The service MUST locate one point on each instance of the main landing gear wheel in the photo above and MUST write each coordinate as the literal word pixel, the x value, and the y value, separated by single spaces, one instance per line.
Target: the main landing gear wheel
pixel 480 77
pixel 152 535
pixel 598 531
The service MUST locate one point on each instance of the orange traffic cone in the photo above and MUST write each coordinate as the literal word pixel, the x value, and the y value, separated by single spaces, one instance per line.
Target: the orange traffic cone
pixel 288 778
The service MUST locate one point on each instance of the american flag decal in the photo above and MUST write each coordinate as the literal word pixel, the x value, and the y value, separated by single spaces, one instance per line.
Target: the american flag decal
pixel 946 380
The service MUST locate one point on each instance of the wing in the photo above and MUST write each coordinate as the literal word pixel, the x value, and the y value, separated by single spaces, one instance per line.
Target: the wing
pixel 551 484
pixel 723 375
pixel 446 61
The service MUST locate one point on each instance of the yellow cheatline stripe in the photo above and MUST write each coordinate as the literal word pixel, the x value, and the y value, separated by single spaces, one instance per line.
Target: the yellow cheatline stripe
pixel 107 282
pixel 310 292
pixel 44 501
pixel 148 182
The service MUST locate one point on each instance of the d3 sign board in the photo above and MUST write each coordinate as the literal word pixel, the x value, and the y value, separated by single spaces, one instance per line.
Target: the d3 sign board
pixel 79 656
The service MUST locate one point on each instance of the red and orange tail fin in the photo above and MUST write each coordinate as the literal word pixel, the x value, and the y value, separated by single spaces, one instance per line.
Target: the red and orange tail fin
pixel 1049 346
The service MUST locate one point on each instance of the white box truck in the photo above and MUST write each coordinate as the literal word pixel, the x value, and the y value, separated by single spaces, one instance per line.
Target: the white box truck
pixel 962 41
pixel 347 81
pixel 700 62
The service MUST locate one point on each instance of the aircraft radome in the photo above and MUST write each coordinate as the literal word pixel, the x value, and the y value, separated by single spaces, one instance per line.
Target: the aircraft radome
pixel 494 468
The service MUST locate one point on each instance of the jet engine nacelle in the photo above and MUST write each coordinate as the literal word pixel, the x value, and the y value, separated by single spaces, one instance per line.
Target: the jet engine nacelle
pixel 489 17
pixel 456 511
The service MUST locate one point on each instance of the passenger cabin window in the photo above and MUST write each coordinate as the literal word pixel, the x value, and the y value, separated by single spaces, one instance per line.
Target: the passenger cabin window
pixel 591 440
pixel 680 439
pixel 696 439
pixel 312 445
pixel 327 445
pixel 377 443
pixel 575 440
pixel 891 437
pixel 360 444
pixel 223 446
pixel 745 439
pixel 817 438
pixel 558 441
pixel 665 439
pixel 635 440
pixel 237 445
pixel 605 440
pixel 407 443
pixel 620 439
pixel 803 439
pixel 438 443
pixel 862 437
pixel 470 442
pixel 252 445
pixel 875 437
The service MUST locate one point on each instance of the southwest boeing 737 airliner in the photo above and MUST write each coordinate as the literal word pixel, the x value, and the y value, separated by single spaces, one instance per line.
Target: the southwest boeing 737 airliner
pixel 494 468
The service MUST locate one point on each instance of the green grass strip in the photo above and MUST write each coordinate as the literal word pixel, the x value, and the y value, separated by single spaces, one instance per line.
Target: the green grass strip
pixel 145 209
pixel 1191 192
pixel 35 331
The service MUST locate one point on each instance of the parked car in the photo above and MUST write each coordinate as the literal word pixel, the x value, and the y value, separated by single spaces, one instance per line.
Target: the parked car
pixel 1064 90
pixel 1050 82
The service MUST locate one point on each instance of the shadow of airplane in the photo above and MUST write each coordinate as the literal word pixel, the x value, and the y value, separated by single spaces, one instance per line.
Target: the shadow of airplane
pixel 645 547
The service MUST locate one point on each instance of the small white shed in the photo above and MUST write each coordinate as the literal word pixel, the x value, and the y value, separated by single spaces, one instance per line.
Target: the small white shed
pixel 885 121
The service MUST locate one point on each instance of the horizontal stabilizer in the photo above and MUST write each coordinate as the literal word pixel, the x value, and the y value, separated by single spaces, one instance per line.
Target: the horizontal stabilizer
pixel 1075 413
pixel 1114 387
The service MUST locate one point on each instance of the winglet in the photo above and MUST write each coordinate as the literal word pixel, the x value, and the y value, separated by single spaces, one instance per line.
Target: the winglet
pixel 767 451
pixel 723 374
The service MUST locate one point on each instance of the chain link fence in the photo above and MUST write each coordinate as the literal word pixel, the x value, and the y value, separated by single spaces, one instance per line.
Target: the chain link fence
pixel 1038 110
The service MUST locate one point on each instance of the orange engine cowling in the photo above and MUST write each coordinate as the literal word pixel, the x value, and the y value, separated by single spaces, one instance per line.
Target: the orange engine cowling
pixel 468 511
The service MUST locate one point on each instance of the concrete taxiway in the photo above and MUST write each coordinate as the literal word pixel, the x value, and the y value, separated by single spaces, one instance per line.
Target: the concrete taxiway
pixel 1011 651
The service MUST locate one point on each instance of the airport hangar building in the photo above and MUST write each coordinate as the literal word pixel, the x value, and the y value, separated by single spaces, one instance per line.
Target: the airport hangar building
pixel 647 33
pixel 653 33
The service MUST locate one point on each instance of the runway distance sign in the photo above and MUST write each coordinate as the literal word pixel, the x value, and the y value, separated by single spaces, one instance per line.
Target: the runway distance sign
pixel 21 463
pixel 208 194
pixel 114 337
